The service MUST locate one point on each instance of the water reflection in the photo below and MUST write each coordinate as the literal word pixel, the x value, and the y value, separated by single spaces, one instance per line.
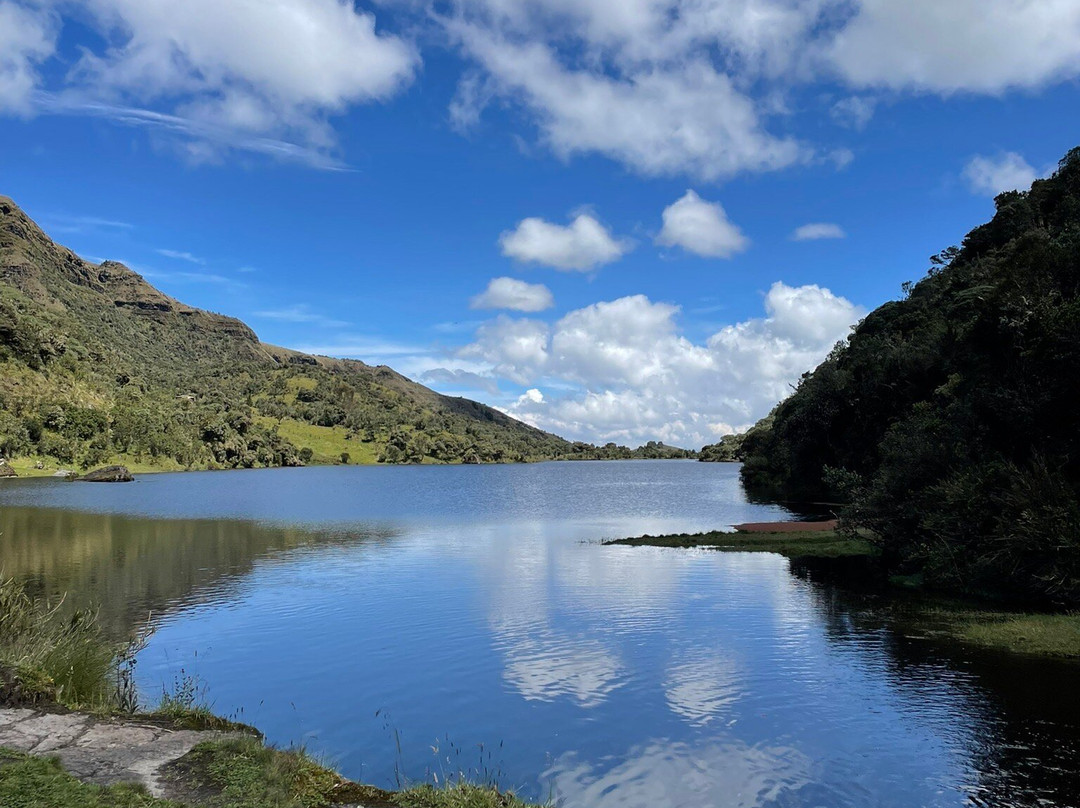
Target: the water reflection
pixel 474 605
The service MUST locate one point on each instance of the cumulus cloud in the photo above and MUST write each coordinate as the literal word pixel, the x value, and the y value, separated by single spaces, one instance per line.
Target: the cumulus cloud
pixel 627 373
pixel 701 227
pixel 818 230
pixel 985 46
pixel 511 293
pixel 27 38
pixel 221 74
pixel 1005 172
pixel 581 246
pixel 691 86
pixel 515 349
pixel 662 117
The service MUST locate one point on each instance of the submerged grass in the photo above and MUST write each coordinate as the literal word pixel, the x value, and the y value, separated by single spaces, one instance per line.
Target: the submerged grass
pixel 809 544
pixel 1052 635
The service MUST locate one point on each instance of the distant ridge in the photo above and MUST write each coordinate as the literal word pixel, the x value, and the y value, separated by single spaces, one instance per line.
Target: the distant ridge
pixel 97 365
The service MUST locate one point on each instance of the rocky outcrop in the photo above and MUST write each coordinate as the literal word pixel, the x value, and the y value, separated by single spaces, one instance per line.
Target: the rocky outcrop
pixel 101 751
pixel 6 470
pixel 108 474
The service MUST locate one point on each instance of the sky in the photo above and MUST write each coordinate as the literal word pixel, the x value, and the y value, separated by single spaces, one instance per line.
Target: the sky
pixel 623 220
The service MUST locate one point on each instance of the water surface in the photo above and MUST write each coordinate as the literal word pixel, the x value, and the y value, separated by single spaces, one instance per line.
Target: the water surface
pixel 424 620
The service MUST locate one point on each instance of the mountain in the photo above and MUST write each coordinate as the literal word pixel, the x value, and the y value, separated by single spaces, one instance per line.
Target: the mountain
pixel 97 365
pixel 948 420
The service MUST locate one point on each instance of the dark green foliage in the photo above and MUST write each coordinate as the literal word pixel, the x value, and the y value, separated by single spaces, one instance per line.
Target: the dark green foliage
pixel 948 419
pixel 727 450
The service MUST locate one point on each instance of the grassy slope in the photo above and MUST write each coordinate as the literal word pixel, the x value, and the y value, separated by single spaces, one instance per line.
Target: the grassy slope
pixel 81 337
pixel 327 443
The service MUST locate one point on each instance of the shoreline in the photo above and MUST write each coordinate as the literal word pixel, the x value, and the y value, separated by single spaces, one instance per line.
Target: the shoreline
pixel 1044 634
pixel 91 760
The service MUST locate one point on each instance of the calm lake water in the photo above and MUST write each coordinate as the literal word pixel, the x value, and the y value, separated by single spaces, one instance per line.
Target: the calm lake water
pixel 423 620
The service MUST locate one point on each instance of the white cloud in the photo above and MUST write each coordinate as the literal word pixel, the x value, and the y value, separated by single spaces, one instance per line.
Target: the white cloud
pixel 511 293
pixel 181 255
pixel 300 314
pixel 631 376
pixel 818 230
pixel 681 116
pixel 515 349
pixel 984 46
pixel 27 38
pixel 457 379
pixel 1005 172
pixel 699 87
pixel 854 112
pixel 701 227
pixel 227 74
pixel 581 246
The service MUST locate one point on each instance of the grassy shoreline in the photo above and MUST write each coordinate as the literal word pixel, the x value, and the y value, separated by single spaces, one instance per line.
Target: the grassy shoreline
pixel 55 663
pixel 792 544
pixel 1017 632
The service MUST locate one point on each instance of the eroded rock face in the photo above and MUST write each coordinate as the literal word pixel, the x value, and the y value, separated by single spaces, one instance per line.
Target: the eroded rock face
pixel 108 474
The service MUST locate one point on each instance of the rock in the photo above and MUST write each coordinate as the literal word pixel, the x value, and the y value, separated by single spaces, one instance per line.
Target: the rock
pixel 64 473
pixel 108 474
pixel 7 471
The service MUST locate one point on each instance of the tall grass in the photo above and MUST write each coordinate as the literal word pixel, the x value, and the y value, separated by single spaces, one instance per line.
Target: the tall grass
pixel 47 655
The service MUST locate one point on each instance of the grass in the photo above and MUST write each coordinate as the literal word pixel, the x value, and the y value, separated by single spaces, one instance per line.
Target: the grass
pixel 815 544
pixel 1052 635
pixel 245 773
pixel 327 443
pixel 27 466
pixel 234 773
pixel 29 782
pixel 46 656
pixel 47 659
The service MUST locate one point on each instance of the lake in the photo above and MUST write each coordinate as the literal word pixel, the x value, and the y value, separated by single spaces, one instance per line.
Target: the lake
pixel 412 622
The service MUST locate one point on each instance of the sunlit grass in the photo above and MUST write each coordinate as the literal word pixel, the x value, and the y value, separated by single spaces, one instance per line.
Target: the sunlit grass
pixel 327 443
pixel 821 544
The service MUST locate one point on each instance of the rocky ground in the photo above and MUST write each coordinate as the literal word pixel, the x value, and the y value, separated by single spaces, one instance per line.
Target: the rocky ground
pixel 101 750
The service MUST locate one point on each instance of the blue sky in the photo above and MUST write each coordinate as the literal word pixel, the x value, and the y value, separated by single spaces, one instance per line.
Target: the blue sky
pixel 349 179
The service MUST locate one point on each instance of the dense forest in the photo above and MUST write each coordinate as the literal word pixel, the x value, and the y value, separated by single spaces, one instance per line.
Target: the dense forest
pixel 947 421
pixel 96 365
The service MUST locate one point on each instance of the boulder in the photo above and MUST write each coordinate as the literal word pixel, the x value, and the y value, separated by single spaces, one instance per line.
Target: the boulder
pixel 7 471
pixel 108 474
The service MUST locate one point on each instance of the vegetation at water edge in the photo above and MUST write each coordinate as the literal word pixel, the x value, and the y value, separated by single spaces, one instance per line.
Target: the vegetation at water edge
pixel 947 419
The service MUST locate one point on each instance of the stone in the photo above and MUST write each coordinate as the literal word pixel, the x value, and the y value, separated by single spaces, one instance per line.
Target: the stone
pixel 108 474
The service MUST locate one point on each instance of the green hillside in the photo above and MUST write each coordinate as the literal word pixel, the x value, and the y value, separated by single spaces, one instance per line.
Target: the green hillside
pixel 948 421
pixel 96 365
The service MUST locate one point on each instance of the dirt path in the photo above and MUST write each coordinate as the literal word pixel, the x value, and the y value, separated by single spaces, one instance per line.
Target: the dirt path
pixel 102 751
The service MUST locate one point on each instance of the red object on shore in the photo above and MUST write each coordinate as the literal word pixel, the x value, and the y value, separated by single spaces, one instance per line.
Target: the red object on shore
pixel 786 527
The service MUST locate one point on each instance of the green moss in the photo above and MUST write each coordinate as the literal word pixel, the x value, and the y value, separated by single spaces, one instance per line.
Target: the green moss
pixel 27 782
pixel 815 544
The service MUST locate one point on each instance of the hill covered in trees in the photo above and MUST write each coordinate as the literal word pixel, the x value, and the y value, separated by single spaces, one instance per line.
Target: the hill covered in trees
pixel 948 421
pixel 97 365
